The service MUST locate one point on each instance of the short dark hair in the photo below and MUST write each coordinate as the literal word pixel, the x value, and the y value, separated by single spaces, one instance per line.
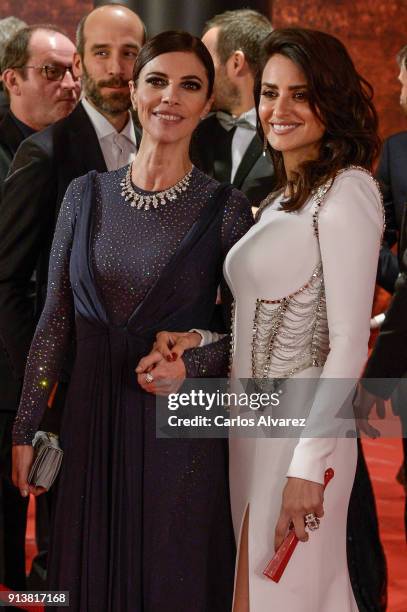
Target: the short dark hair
pixel 338 95
pixel 402 57
pixel 175 40
pixel 80 30
pixel 17 51
pixel 241 30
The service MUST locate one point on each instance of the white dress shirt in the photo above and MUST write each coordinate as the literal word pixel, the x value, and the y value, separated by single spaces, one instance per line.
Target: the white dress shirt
pixel 241 140
pixel 118 148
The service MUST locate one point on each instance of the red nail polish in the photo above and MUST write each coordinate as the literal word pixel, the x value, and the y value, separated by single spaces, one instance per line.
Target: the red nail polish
pixel 169 358
pixel 174 356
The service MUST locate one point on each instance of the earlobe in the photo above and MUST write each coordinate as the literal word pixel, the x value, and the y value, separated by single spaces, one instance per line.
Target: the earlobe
pixel 133 94
pixel 207 108
pixel 77 65
pixel 11 82
pixel 239 61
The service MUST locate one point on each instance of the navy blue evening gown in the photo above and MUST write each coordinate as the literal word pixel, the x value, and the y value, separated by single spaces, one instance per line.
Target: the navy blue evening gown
pixel 140 524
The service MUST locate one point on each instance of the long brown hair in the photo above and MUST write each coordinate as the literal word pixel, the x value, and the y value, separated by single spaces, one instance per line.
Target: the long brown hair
pixel 338 95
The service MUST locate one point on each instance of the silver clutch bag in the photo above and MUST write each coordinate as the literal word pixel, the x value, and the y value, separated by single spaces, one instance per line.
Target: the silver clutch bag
pixel 47 460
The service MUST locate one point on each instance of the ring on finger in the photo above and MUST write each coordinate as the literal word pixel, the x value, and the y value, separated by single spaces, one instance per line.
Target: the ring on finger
pixel 311 521
pixel 149 378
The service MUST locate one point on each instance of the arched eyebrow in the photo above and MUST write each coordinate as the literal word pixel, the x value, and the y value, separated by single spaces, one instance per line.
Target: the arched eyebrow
pixel 183 78
pixel 291 87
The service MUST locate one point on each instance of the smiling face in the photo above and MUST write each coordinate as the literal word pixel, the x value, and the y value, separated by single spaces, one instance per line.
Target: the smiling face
pixel 170 96
pixel 288 121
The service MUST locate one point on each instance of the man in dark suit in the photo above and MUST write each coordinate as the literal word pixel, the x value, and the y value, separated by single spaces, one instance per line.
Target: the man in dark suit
pixel 389 357
pixel 36 101
pixel 12 133
pixel 392 176
pixel 388 361
pixel 385 373
pixel 108 43
pixel 98 135
pixel 34 46
pixel 226 145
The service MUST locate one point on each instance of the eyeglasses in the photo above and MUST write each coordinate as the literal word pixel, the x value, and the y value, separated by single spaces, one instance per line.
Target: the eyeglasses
pixel 53 72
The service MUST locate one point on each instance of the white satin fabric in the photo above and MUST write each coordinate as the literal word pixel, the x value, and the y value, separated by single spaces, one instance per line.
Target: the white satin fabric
pixel 273 260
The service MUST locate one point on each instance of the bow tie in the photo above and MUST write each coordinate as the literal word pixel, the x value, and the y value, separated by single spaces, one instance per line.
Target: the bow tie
pixel 228 121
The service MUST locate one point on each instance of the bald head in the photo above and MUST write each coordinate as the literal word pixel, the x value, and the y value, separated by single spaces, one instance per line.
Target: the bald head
pixel 109 40
pixel 112 15
pixel 31 59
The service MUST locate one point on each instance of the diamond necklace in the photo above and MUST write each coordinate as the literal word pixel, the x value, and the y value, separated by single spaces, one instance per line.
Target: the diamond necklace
pixel 139 200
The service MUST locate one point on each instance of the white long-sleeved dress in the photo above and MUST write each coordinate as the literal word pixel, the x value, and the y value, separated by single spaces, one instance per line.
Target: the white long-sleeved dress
pixel 303 285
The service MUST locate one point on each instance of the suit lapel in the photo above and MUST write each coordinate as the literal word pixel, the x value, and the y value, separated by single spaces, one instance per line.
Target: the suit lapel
pixel 252 154
pixel 10 134
pixel 85 144
pixel 85 147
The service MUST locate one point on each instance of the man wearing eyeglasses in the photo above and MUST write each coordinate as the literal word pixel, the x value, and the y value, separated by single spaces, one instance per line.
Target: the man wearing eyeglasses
pixel 98 135
pixel 37 77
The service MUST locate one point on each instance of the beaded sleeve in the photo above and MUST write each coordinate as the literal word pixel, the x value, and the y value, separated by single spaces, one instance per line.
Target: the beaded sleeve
pixel 212 360
pixel 55 327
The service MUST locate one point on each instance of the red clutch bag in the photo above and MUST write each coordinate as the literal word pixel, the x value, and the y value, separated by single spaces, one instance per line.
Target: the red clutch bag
pixel 275 568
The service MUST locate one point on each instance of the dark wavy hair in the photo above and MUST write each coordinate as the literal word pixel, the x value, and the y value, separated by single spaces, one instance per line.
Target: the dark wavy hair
pixel 338 95
pixel 174 40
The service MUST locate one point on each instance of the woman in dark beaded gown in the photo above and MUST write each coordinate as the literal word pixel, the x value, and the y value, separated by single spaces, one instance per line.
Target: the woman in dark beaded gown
pixel 140 524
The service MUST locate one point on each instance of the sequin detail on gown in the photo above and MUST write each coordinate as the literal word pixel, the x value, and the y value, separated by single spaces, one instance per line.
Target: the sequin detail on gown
pixel 129 250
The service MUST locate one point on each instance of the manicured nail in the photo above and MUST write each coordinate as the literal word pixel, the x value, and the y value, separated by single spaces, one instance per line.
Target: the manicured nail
pixel 24 493
pixel 174 356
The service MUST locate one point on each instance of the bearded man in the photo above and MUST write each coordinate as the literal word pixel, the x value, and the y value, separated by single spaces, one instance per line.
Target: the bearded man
pixel 98 135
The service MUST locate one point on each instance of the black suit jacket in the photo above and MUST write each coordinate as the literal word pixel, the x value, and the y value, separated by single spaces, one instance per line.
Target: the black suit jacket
pixel 255 175
pixel 388 359
pixel 4 103
pixel 392 175
pixel 42 169
pixel 10 138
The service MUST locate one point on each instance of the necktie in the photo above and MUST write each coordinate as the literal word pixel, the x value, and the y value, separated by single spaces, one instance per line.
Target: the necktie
pixel 124 150
pixel 228 121
pixel 222 163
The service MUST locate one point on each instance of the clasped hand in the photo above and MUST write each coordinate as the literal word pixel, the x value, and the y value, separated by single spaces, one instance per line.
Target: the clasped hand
pixel 164 363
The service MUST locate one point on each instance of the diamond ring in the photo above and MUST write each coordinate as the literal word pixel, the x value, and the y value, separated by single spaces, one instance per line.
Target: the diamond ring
pixel 311 521
pixel 149 378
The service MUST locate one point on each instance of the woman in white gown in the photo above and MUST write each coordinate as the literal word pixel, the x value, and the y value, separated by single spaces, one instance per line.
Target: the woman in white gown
pixel 303 280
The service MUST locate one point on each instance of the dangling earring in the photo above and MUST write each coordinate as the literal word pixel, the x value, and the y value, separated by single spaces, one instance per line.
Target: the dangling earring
pixel 265 143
